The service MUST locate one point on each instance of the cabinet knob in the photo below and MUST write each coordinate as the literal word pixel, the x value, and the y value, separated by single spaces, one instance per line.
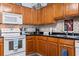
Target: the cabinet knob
pixel 64 45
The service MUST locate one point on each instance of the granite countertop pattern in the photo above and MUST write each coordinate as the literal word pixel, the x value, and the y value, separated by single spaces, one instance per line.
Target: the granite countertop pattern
pixel 70 38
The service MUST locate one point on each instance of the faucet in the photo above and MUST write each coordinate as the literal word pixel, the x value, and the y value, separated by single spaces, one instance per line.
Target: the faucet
pixel 73 34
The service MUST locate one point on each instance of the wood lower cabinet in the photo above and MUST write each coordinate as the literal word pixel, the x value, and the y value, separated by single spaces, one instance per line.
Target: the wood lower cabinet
pixel 1 47
pixel 66 50
pixel 50 46
pixel 42 47
pixel 52 49
pixel 29 45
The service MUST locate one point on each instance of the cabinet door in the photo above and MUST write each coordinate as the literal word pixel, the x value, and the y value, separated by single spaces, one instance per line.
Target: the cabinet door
pixel 17 9
pixel 52 49
pixel 59 10
pixel 29 46
pixel 39 17
pixel 48 14
pixel 34 15
pixel 66 50
pixel 34 43
pixel 7 7
pixel 71 9
pixel 1 49
pixel 42 49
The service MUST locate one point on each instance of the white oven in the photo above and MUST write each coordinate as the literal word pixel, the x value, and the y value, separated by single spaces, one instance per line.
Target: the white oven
pixel 14 45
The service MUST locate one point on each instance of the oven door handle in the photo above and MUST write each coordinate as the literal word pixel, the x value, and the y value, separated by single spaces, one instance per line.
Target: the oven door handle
pixel 15 50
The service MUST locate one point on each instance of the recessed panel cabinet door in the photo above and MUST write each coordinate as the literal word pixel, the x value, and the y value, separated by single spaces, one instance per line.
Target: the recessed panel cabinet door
pixel 65 50
pixel 7 7
pixel 42 49
pixel 52 49
pixel 59 10
pixel 17 9
pixel 29 46
pixel 1 49
pixel 71 9
pixel 48 14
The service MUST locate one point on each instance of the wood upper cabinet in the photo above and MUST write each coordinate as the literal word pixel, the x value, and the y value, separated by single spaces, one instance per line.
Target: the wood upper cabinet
pixel 10 7
pixel 18 9
pixel 39 17
pixel 71 9
pixel 66 50
pixel 30 16
pixel 48 14
pixel 27 16
pixel 6 7
pixel 59 10
pixel 52 49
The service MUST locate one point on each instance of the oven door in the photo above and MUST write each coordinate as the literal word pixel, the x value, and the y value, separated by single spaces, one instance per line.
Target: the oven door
pixel 21 44
pixel 10 45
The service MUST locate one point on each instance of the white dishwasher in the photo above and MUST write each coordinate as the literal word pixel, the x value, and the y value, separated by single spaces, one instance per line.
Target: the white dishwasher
pixel 76 47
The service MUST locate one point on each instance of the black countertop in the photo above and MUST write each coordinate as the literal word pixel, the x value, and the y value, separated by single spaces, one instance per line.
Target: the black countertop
pixel 55 36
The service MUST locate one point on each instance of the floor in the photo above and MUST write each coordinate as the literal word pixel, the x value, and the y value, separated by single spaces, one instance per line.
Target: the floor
pixel 34 54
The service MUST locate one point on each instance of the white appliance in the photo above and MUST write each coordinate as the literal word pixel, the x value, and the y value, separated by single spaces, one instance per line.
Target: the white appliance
pixel 14 43
pixel 14 46
pixel 10 32
pixel 77 47
pixel 11 18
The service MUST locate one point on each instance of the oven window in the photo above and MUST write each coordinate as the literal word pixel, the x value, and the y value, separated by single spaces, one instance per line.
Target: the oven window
pixel 20 44
pixel 11 45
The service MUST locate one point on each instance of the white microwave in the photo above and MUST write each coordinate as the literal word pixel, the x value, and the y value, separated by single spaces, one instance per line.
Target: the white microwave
pixel 11 18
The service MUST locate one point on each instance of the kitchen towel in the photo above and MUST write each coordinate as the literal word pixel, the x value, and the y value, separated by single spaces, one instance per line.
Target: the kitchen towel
pixel 64 52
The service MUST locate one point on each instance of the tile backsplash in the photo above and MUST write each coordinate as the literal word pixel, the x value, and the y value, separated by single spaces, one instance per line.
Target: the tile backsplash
pixel 76 25
pixel 59 26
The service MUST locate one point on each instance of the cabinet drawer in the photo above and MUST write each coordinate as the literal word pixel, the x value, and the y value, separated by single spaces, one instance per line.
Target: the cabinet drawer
pixel 42 38
pixel 67 41
pixel 29 37
pixel 51 39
